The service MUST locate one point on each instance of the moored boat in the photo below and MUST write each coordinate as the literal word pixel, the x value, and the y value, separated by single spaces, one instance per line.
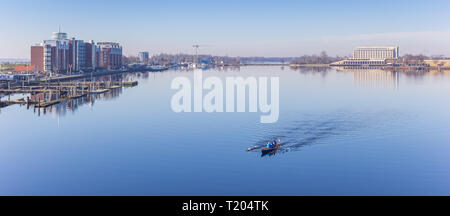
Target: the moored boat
pixel 99 91
pixel 157 68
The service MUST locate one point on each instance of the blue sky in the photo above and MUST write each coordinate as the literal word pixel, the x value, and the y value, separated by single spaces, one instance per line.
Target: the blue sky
pixel 234 28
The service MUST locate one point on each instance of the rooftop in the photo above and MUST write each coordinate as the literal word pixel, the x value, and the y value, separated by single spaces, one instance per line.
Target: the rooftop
pixel 377 47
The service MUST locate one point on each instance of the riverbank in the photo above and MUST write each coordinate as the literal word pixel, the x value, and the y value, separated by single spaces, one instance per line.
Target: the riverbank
pixel 285 64
pixel 85 75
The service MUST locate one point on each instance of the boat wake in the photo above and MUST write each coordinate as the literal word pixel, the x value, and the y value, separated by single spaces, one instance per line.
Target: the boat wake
pixel 313 129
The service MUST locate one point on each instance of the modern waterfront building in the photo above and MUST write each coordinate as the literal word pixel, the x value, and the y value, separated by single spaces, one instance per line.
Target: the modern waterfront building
pixel 92 59
pixel 110 55
pixel 379 53
pixel 77 55
pixel 63 55
pixel 59 35
pixel 56 54
pixel 143 57
pixel 371 56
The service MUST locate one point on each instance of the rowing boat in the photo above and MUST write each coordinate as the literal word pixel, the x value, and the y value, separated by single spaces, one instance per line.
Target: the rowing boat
pixel 266 151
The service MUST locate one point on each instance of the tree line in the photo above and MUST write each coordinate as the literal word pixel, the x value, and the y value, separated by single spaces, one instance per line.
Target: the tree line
pixel 322 58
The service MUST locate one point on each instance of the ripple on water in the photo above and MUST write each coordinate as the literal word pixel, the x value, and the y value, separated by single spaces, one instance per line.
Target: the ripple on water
pixel 313 129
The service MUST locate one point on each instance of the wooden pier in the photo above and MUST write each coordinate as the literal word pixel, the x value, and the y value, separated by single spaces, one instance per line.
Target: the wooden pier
pixel 50 93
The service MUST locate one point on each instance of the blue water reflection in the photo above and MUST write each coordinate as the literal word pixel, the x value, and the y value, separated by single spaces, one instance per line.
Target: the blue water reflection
pixel 344 132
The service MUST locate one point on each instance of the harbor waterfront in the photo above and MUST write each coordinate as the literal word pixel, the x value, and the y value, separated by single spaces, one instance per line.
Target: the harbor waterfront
pixel 344 132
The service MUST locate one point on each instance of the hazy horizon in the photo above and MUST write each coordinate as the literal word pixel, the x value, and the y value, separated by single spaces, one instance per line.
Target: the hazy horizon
pixel 233 28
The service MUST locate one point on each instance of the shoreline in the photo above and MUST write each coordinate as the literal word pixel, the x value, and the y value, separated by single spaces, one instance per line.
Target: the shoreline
pixel 114 72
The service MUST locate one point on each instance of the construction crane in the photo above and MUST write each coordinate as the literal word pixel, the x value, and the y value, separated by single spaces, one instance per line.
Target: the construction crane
pixel 196 46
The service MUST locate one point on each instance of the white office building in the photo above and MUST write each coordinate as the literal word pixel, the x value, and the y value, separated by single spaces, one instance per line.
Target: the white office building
pixel 376 53
pixel 370 57
pixel 143 57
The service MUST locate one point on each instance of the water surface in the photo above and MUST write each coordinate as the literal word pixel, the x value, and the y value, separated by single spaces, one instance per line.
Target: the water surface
pixel 345 132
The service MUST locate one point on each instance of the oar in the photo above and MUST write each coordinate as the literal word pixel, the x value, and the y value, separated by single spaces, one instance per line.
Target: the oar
pixel 254 148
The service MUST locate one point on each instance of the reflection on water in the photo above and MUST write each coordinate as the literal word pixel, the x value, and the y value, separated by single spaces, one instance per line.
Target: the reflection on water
pixel 337 139
pixel 312 70
pixel 376 78
pixel 73 105
pixel 439 72
pixel 372 77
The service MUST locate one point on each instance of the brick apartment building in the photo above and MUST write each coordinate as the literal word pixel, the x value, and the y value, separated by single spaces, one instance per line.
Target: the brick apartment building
pixel 62 55
pixel 110 55
pixel 37 57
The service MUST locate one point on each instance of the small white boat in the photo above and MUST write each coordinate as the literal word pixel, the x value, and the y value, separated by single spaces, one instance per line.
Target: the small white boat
pixel 99 91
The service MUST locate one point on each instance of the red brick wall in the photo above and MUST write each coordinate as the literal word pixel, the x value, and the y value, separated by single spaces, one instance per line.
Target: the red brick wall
pixel 37 57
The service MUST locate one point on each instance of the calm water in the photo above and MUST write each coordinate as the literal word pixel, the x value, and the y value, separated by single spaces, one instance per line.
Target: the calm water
pixel 345 133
